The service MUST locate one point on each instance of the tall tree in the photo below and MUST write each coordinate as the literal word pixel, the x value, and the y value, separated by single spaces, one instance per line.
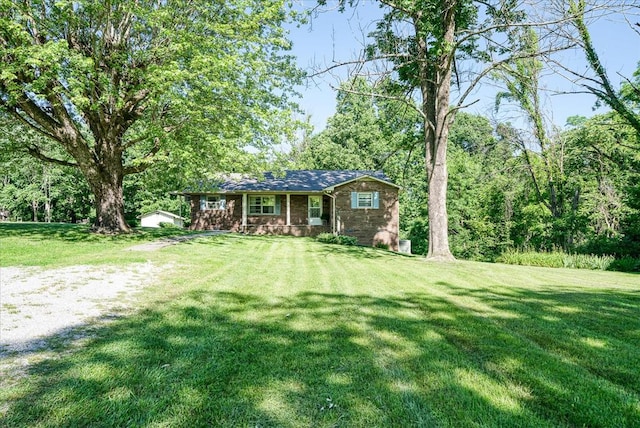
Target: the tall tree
pixel 118 84
pixel 425 43
pixel 603 157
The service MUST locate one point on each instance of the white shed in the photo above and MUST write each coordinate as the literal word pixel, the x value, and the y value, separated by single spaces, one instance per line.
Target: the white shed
pixel 153 219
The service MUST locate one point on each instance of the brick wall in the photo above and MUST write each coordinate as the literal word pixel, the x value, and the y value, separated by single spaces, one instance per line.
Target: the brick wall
pixel 299 207
pixel 231 218
pixel 369 225
pixel 228 219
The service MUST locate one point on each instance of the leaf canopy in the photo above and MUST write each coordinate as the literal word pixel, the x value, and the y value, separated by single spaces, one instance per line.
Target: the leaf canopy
pixel 180 74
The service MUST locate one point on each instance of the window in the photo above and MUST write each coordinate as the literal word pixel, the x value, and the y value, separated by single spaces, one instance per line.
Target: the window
pixel 315 206
pixel 262 205
pixel 365 200
pixel 213 202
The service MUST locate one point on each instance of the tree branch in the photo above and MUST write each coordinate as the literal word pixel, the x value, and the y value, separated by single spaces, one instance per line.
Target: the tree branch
pixel 145 162
pixel 37 153
pixel 493 66
pixel 34 126
pixel 607 93
pixel 404 100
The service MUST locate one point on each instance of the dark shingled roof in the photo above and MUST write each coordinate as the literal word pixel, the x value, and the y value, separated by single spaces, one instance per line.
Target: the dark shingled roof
pixel 292 181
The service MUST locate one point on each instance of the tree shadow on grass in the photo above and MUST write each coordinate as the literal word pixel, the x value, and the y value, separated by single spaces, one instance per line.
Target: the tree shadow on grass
pixel 357 251
pixel 599 331
pixel 82 233
pixel 313 359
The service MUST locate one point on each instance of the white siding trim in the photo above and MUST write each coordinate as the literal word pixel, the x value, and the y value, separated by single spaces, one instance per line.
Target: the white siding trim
pixel 288 209
pixel 245 209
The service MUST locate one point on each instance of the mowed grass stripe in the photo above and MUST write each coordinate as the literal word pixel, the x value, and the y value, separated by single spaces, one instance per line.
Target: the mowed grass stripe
pixel 439 371
pixel 570 329
pixel 573 335
pixel 500 349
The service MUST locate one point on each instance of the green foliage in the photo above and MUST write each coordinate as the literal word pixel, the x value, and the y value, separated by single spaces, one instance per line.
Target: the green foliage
pixel 625 264
pixel 31 190
pixel 151 190
pixel 472 133
pixel 417 231
pixel 353 138
pixel 168 225
pixel 559 259
pixel 118 86
pixel 330 238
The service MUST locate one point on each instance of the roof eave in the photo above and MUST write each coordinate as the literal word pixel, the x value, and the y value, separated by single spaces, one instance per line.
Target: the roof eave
pixel 239 192
pixel 366 176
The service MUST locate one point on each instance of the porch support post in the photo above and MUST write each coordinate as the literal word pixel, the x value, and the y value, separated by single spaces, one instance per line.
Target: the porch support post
pixel 288 209
pixel 245 209
pixel 334 221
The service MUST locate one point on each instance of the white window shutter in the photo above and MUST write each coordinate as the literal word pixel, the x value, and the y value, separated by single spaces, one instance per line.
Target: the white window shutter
pixel 354 199
pixel 376 200
pixel 277 208
pixel 223 202
pixel 203 202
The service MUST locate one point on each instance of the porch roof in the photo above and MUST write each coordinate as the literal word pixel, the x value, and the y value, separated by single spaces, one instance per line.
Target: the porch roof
pixel 288 181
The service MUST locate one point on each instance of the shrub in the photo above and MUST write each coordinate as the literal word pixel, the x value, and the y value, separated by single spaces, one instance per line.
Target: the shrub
pixel 588 261
pixel 625 264
pixel 382 245
pixel 347 240
pixel 329 238
pixel 168 225
pixel 557 259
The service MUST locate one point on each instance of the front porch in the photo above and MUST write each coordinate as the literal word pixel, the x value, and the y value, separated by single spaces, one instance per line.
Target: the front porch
pixel 297 214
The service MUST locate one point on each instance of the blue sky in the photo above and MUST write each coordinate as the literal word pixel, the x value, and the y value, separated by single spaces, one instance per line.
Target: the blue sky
pixel 332 37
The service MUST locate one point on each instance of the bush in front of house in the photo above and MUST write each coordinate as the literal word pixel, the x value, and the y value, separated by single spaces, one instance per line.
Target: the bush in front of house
pixel 168 225
pixel 330 238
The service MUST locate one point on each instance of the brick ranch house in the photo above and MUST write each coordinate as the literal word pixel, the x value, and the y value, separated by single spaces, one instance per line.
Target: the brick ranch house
pixel 363 204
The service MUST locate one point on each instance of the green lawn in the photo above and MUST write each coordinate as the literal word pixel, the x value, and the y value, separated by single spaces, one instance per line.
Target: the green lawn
pixel 288 332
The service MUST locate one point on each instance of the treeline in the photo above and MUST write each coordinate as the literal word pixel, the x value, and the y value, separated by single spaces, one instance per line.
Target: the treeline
pixel 577 192
pixel 34 191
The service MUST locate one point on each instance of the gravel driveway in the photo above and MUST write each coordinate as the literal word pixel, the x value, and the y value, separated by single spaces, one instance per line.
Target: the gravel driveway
pixel 38 304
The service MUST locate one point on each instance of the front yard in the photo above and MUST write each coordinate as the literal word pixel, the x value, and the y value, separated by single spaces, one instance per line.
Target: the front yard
pixel 288 332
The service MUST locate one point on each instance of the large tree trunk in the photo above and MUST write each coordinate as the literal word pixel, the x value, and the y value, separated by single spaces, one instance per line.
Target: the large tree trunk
pixel 436 88
pixel 109 203
pixel 105 180
pixel 438 217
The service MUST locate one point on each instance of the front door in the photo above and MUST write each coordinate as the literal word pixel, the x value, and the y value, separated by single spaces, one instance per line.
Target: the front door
pixel 315 210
